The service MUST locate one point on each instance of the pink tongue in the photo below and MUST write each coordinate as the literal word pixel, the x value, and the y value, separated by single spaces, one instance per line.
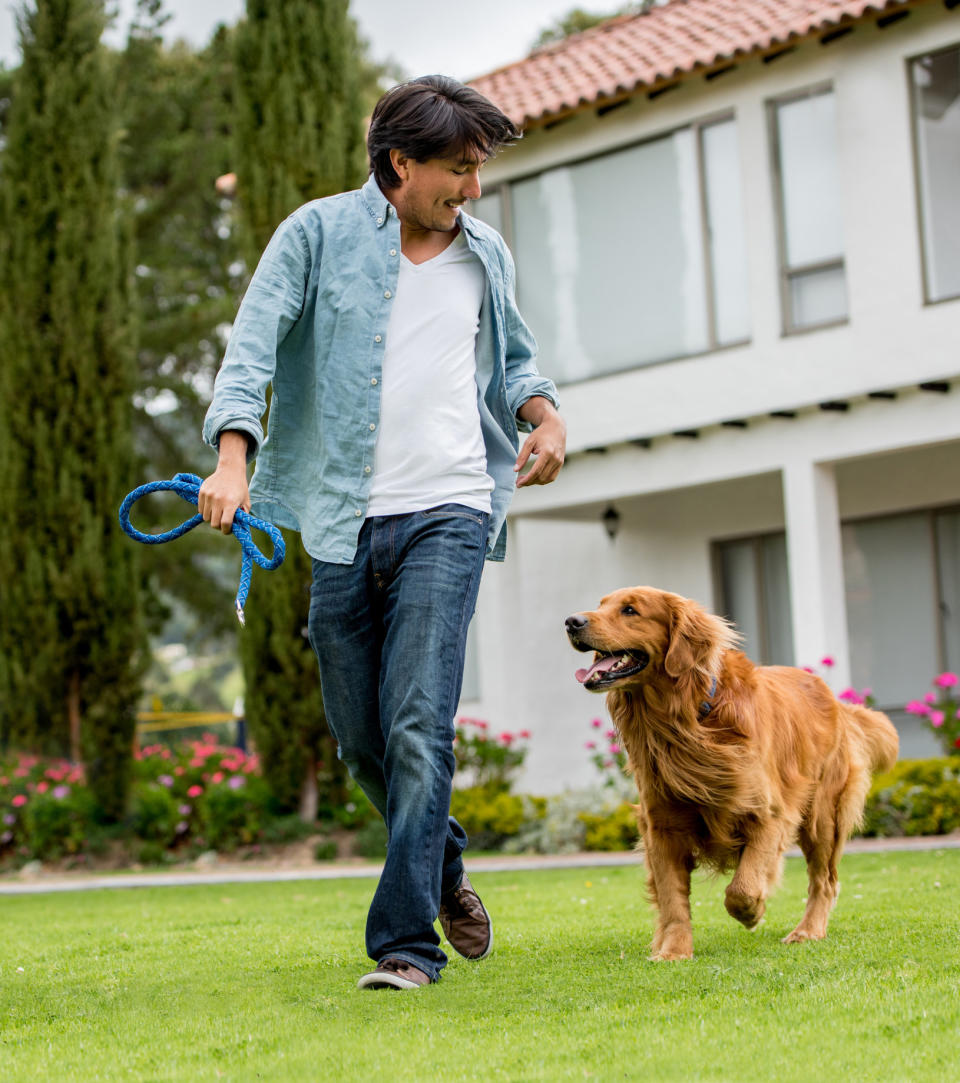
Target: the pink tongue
pixel 600 666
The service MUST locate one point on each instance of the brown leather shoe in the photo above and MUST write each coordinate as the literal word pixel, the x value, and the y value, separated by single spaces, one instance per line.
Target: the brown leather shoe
pixel 465 922
pixel 394 973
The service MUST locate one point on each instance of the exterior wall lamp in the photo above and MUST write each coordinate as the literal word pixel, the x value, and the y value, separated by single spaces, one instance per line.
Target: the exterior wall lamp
pixel 611 521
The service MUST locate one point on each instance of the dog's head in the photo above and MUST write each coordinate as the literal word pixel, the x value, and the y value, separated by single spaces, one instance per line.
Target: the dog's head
pixel 640 632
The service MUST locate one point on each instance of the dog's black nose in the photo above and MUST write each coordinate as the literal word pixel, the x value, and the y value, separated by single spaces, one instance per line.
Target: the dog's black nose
pixel 576 623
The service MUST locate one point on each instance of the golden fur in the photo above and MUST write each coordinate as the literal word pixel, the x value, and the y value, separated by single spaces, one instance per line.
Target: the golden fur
pixel 773 758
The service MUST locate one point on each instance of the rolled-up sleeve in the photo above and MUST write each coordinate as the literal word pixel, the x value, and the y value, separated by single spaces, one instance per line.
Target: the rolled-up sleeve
pixel 271 306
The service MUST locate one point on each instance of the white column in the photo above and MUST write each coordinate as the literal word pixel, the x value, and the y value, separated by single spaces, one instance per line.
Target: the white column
pixel 815 563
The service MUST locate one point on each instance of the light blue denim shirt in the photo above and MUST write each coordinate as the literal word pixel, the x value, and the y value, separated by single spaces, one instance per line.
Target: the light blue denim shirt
pixel 314 323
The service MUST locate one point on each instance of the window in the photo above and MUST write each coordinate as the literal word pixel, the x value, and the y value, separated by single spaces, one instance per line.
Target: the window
pixel 754 592
pixel 813 278
pixel 902 577
pixel 633 257
pixel 936 121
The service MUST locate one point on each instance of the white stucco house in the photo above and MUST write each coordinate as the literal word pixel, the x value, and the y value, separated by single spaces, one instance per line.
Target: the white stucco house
pixel 736 225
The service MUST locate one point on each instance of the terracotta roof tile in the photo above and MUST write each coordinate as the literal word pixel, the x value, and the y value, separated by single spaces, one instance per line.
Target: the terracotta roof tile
pixel 631 52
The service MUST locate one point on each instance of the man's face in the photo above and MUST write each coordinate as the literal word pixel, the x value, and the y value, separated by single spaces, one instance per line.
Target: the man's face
pixel 431 193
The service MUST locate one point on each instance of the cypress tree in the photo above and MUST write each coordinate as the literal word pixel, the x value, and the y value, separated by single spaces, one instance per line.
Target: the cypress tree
pixel 298 136
pixel 70 632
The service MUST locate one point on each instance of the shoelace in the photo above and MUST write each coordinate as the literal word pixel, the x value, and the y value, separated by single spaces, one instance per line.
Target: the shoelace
pixel 187 486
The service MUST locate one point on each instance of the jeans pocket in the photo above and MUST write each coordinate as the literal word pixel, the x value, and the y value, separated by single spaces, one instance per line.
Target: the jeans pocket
pixel 454 511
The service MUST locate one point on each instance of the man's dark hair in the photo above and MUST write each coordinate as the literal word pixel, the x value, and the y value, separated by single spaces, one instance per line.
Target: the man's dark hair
pixel 434 117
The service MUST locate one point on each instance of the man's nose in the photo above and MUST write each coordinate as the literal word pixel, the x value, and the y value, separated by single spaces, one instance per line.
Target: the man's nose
pixel 472 190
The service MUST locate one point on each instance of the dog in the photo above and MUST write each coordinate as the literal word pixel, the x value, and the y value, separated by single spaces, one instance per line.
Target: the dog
pixel 734 762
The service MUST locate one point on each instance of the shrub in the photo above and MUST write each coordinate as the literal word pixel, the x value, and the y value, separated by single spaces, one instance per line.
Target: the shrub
pixel 232 814
pixel 487 761
pixel 325 850
pixel 616 830
pixel 941 711
pixel 918 797
pixel 487 814
pixel 55 823
pixel 371 839
pixel 154 814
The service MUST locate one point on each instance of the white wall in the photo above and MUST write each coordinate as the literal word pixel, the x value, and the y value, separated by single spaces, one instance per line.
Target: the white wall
pixel 679 495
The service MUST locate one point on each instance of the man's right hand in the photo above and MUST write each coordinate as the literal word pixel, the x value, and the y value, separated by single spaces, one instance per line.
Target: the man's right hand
pixel 226 489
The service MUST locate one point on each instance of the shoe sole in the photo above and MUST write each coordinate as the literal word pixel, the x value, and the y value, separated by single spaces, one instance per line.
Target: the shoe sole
pixel 385 981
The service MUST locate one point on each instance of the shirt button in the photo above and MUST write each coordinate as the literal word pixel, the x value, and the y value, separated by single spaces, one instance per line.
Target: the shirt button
pixel 387 294
pixel 378 338
pixel 372 426
pixel 373 382
pixel 393 251
pixel 379 221
pixel 358 513
pixel 366 469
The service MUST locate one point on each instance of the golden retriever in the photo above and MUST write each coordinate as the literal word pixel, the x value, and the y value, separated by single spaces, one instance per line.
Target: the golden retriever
pixel 733 761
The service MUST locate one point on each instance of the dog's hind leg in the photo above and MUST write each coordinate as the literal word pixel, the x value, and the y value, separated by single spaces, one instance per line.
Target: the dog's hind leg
pixel 758 872
pixel 669 883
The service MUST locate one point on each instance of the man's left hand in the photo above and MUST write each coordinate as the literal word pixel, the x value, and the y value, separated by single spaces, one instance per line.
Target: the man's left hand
pixel 548 442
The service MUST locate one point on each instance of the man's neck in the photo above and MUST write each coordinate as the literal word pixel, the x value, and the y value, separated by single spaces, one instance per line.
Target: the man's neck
pixel 419 245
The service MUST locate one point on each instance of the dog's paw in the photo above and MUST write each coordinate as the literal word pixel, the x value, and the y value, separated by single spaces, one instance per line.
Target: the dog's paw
pixel 746 909
pixel 801 936
pixel 670 956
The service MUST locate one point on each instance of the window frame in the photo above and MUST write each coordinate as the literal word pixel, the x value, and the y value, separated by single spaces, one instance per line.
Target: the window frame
pixel 697 127
pixel 785 273
pixel 918 176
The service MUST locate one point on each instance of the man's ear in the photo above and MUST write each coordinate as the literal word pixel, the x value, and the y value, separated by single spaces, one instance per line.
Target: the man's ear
pixel 400 163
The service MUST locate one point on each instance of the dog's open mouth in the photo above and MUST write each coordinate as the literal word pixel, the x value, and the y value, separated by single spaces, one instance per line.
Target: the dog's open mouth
pixel 608 668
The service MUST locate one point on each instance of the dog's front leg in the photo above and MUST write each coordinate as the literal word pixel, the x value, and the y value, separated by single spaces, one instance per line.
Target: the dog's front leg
pixel 669 864
pixel 758 872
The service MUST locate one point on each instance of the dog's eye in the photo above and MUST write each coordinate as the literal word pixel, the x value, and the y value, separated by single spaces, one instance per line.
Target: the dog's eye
pixel 629 611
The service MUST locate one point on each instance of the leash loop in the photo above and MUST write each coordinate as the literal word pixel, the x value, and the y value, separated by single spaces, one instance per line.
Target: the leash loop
pixel 187 486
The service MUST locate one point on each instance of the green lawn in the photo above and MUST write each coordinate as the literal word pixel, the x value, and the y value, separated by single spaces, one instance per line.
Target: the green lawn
pixel 244 982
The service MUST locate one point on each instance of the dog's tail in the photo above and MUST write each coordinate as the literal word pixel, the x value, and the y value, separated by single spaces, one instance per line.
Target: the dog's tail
pixel 877 737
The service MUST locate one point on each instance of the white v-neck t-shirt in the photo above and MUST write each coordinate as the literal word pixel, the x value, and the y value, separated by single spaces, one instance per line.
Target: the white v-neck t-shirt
pixel 430 448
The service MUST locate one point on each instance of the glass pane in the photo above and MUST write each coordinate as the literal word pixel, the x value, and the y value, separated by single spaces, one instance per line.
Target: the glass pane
pixel 777 611
pixel 741 596
pixel 818 297
pixel 948 560
pixel 891 607
pixel 725 223
pixel 489 209
pixel 937 118
pixel 810 180
pixel 610 259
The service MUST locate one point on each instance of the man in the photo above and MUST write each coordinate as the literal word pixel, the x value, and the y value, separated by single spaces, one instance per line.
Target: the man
pixel 401 369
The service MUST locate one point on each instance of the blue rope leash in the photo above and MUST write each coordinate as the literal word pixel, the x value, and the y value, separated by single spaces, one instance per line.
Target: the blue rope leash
pixel 188 487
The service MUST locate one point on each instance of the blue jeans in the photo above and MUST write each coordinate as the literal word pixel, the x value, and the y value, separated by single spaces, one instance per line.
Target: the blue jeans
pixel 389 631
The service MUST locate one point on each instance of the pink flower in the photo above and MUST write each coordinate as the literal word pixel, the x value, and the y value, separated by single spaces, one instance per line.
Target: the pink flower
pixel 19 800
pixel 181 827
pixel 237 782
pixel 596 723
pixel 178 770
pixel 946 680
pixel 185 810
pixel 506 738
pixel 165 780
pixel 615 750
pixel 217 776
pixel 917 706
pixel 194 791
pixel 197 761
pixel 850 695
pixel 936 718
pixel 808 669
pixel 42 787
pixel 21 772
pixel 828 661
pixel 610 734
pixel 590 744
pixel 60 792
pixel 525 735
pixel 930 698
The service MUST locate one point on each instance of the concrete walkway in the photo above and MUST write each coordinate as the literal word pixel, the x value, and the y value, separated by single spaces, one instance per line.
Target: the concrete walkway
pixel 226 873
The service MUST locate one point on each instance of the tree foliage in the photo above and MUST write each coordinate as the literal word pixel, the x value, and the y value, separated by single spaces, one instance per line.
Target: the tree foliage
pixel 298 136
pixel 71 647
pixel 577 20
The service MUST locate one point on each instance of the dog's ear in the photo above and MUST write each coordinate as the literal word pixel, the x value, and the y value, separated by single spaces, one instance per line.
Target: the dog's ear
pixel 696 638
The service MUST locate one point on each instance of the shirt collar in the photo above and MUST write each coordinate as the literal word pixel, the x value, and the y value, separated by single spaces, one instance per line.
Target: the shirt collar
pixel 376 202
